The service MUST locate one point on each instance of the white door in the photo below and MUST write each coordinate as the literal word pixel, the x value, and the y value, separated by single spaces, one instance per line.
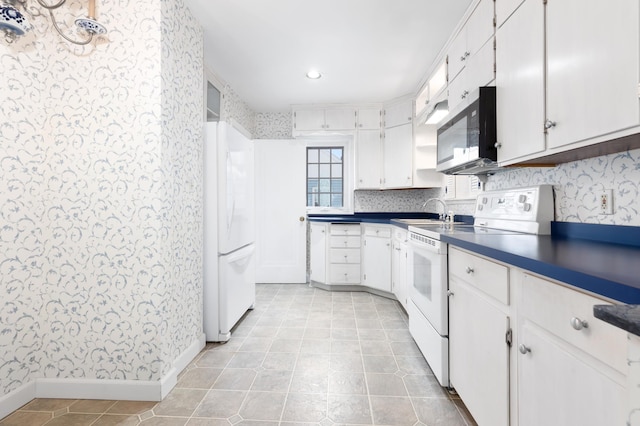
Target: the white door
pixel 281 225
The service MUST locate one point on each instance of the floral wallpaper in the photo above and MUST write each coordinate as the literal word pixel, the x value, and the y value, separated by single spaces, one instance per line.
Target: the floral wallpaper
pixel 235 108
pixel 273 126
pixel 101 223
pixel 576 185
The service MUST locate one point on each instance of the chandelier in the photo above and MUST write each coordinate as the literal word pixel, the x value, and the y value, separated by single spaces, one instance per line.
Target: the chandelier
pixel 14 23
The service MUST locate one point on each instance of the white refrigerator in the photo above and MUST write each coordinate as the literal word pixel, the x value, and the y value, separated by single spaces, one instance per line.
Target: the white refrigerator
pixel 229 229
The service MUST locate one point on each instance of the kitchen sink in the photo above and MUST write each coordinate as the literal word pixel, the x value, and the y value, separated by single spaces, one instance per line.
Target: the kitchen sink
pixel 418 222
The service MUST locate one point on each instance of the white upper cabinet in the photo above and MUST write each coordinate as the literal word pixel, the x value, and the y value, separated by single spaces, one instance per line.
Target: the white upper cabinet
pixel 592 69
pixel 398 113
pixel 470 56
pixel 368 159
pixel 398 157
pixel 369 118
pixel 520 83
pixel 582 91
pixel 504 9
pixel 309 119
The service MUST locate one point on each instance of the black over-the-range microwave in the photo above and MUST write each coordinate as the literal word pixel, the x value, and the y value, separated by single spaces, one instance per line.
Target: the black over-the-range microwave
pixel 467 142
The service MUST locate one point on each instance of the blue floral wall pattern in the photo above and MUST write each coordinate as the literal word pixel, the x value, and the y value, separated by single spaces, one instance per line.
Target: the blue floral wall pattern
pixel 100 207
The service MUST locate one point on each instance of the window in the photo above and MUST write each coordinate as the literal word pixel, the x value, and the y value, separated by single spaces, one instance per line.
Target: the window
pixel 325 177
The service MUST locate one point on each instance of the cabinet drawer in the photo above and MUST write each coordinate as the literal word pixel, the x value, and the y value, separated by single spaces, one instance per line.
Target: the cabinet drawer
pixel 377 232
pixel 487 276
pixel 344 274
pixel 346 229
pixel 344 255
pixel 400 234
pixel 559 310
pixel 344 241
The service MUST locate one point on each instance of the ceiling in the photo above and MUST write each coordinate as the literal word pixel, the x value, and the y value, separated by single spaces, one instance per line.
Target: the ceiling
pixel 366 50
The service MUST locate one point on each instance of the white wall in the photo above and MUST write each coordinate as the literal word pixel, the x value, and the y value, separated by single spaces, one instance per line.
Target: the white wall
pixel 101 210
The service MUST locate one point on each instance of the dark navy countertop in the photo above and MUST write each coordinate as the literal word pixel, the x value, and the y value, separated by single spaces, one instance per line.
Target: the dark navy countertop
pixel 626 317
pixel 381 217
pixel 603 259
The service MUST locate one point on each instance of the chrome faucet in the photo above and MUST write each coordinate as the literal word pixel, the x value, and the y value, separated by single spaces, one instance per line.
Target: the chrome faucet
pixel 445 216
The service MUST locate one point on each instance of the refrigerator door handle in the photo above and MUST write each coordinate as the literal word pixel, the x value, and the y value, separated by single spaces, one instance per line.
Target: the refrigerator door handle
pixel 231 199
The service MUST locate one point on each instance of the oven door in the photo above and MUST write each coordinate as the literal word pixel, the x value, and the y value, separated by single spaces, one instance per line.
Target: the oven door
pixel 428 284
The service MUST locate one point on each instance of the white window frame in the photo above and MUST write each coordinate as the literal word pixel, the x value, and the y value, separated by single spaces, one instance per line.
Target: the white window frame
pixel 346 143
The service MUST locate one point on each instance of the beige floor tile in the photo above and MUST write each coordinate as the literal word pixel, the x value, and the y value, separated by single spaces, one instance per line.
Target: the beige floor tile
pixel 317 333
pixel 246 360
pixel 373 347
pixel 180 402
pixel 215 359
pixel 345 346
pixel 279 361
pixel 117 420
pixel 385 384
pixel 347 362
pixel 272 380
pixel 235 379
pixel 26 418
pixel 131 407
pixel 310 381
pixel 91 406
pixel 392 410
pixel 208 422
pixel 263 405
pixel 304 407
pixel 347 383
pixel 74 419
pixel 286 345
pixel 413 365
pixel 438 412
pixel 255 344
pixel 199 378
pixel 48 404
pixel 220 404
pixel 379 364
pixel 351 409
pixel 425 386
pixel 316 346
pixel 165 421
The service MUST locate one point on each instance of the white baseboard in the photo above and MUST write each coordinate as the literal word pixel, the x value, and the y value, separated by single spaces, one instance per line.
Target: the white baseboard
pixel 129 390
pixel 17 398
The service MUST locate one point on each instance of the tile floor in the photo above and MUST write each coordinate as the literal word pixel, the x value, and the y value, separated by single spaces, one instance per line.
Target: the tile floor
pixel 303 356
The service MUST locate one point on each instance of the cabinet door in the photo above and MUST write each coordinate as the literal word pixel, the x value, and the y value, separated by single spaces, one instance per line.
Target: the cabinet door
pixel 376 265
pixel 504 9
pixel 520 83
pixel 480 26
pixel 398 156
pixel 398 114
pixel 369 118
pixel 318 252
pixel 457 55
pixel 340 119
pixel 557 388
pixel 479 355
pixel 368 159
pixel 399 272
pixel 309 119
pixel 592 65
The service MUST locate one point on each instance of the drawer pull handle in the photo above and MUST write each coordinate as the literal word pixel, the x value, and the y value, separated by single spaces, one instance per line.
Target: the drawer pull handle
pixel 470 270
pixel 579 324
pixel 524 349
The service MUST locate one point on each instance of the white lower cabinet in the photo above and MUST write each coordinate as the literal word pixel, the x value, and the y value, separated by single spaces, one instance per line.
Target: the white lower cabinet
pixel 376 257
pixel 479 323
pixel 399 264
pixel 318 251
pixel 571 366
pixel 527 351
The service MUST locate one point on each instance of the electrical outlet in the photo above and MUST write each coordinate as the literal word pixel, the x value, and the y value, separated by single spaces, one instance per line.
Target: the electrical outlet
pixel 605 199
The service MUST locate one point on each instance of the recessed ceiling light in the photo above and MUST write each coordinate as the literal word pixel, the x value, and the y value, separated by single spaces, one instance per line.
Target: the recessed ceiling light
pixel 314 75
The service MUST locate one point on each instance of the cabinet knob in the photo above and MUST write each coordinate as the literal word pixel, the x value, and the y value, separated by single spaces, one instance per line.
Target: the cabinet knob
pixel 579 324
pixel 464 56
pixel 470 270
pixel 464 94
pixel 548 124
pixel 524 349
pixel 450 293
pixel 498 145
pixel 301 219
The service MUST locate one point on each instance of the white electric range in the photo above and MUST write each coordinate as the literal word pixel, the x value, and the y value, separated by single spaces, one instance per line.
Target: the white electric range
pixel 515 211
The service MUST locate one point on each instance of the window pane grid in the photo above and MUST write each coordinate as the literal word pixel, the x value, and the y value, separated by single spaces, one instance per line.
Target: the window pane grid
pixel 325 171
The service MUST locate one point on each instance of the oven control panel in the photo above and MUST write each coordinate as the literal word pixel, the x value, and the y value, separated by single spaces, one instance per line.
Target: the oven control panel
pixel 528 209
